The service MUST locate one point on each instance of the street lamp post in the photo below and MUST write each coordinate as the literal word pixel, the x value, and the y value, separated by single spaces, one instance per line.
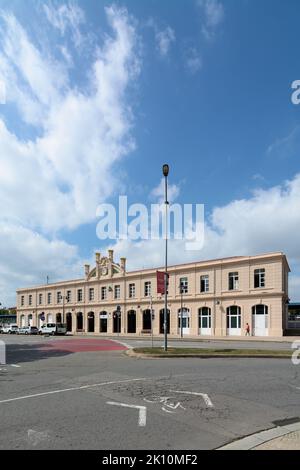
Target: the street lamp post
pixel 165 170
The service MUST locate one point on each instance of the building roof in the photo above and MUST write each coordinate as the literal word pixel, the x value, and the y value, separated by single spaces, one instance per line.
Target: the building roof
pixel 195 264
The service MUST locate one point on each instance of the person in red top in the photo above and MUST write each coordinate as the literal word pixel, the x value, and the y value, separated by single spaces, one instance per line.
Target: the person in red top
pixel 247 330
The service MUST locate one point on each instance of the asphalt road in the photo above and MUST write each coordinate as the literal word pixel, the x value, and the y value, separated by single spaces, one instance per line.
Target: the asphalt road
pixel 52 397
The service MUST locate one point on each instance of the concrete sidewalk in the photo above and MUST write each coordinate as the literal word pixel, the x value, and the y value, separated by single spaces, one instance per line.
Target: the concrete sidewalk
pixel 290 441
pixel 278 438
pixel 282 339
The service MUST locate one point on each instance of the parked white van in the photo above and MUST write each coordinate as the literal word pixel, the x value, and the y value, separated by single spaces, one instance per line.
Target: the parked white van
pixel 53 329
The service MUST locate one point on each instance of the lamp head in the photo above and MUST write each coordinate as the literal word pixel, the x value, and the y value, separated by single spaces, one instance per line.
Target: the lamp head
pixel 165 169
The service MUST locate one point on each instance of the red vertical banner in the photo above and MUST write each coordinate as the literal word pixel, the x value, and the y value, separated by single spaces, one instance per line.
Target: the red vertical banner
pixel 160 281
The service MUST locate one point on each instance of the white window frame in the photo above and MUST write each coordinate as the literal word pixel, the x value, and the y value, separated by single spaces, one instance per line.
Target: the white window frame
pixel 103 293
pixel 132 291
pixel 147 289
pixel 261 273
pixel 91 294
pixel 184 285
pixel 49 298
pixel 205 279
pixel 117 291
pixel 79 295
pixel 235 280
pixel 68 296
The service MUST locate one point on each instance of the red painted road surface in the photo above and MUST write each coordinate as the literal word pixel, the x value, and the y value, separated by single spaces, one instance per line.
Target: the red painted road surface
pixel 83 345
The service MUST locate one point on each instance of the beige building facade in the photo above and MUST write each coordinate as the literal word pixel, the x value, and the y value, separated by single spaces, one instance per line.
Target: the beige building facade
pixel 205 299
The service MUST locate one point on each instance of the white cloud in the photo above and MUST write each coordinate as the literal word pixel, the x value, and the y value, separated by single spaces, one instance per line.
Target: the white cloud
pixel 267 221
pixel 193 60
pixel 27 258
pixel 213 15
pixel 65 18
pixel 164 40
pixel 159 192
pixel 57 180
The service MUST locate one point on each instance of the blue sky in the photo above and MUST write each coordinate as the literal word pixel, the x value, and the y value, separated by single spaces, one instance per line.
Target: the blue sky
pixel 98 95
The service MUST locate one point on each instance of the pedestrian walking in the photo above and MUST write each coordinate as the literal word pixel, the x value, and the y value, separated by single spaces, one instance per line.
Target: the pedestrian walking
pixel 247 330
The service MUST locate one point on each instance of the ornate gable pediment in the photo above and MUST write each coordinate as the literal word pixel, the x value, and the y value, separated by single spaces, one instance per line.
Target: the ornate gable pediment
pixel 105 267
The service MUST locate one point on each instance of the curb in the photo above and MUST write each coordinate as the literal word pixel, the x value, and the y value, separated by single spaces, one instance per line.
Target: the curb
pixel 254 440
pixel 132 353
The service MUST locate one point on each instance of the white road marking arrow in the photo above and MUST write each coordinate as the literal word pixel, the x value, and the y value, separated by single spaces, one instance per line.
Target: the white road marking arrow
pixel 142 410
pixel 205 397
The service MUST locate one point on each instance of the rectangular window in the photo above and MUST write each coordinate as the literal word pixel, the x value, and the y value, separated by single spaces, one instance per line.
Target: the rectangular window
pixel 259 278
pixel 40 299
pixel 204 283
pixel 49 298
pixel 117 293
pixel 233 279
pixel 79 295
pixel 58 297
pixel 183 283
pixel 30 300
pixel 103 293
pixel 91 293
pixel 68 296
pixel 22 301
pixel 131 291
pixel 147 289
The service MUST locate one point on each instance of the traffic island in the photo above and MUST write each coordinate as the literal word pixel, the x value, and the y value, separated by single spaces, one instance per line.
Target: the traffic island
pixel 208 353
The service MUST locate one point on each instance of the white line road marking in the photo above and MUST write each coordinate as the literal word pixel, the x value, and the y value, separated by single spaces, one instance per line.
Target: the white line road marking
pixel 205 397
pixel 142 410
pixel 83 387
pixel 15 365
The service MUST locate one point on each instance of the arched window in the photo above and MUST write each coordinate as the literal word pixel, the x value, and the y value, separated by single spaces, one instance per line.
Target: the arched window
pixel 131 321
pixel 91 322
pixel 162 319
pixel 103 321
pixel 204 319
pixel 260 320
pixel 79 321
pixel 233 320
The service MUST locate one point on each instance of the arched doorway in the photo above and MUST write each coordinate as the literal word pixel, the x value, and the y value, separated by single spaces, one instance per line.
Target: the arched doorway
pixel 91 322
pixel 204 321
pixel 69 321
pixel 147 320
pixel 185 318
pixel 260 320
pixel 117 322
pixel 103 322
pixel 233 314
pixel 131 321
pixel 79 318
pixel 30 321
pixel 58 318
pixel 49 318
pixel 161 321
pixel 23 321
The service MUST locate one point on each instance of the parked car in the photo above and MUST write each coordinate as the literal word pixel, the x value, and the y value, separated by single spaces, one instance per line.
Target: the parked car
pixel 53 329
pixel 28 330
pixel 10 329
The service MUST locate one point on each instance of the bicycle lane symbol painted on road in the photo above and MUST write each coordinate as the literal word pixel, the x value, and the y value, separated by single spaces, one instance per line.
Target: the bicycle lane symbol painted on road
pixel 167 405
pixel 170 405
